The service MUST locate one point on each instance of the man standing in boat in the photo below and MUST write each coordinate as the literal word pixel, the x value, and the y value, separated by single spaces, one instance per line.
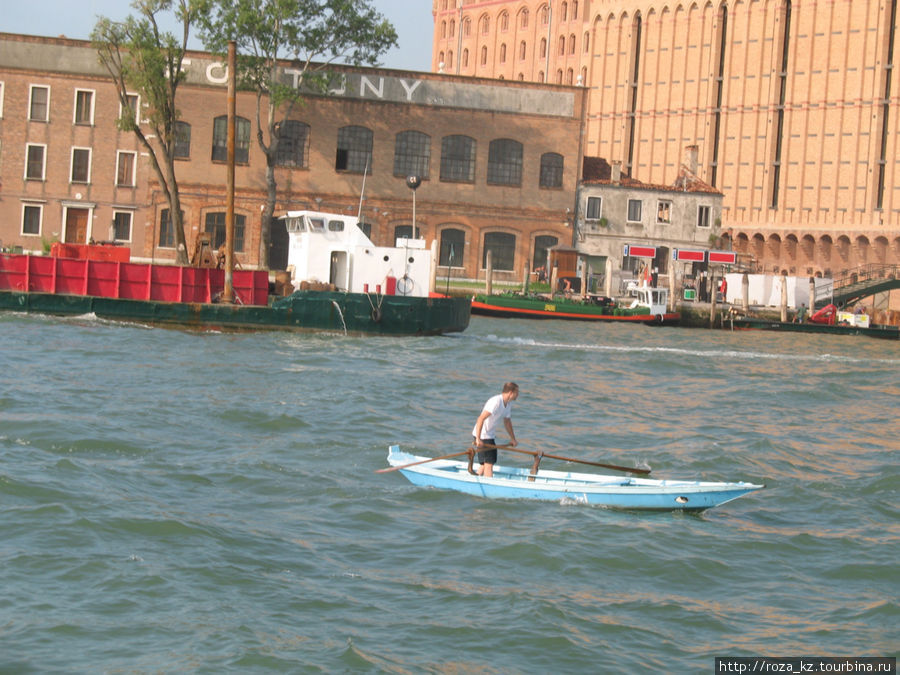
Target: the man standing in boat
pixel 496 408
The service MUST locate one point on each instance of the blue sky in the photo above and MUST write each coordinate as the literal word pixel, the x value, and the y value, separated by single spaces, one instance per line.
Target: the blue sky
pixel 411 18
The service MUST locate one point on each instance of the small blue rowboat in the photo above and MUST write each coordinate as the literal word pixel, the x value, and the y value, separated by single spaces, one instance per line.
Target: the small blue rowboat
pixel 611 491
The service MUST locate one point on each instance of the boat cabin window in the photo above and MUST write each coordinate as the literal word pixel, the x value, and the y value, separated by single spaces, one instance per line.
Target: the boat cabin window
pixel 335 225
pixel 316 224
pixel 296 225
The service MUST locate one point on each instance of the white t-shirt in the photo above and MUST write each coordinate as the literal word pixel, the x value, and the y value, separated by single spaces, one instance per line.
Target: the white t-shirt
pixel 498 412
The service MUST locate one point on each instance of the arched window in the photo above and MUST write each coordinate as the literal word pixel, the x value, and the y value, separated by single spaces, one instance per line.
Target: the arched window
pixel 458 159
pixel 465 58
pixel 545 15
pixel 467 27
pixel 453 248
pixel 503 53
pixel 215 227
pixel 452 28
pixel 575 10
pixel 572 43
pixel 562 45
pixel 563 11
pixel 559 76
pixel 485 24
pixel 542 244
pixel 484 56
pixel 504 162
pixel 551 170
pixel 412 154
pixel 523 18
pixel 293 144
pixel 443 29
pixel 522 50
pixel 569 75
pixel 540 76
pixel 504 22
pixel 503 251
pixel 543 48
pixel 587 42
pixel 354 150
pixel 241 139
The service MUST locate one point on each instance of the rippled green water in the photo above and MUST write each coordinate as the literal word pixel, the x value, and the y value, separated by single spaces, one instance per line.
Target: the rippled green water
pixel 173 501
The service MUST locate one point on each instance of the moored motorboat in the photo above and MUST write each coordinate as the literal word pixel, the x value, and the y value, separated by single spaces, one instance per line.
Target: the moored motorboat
pixel 649 306
pixel 600 490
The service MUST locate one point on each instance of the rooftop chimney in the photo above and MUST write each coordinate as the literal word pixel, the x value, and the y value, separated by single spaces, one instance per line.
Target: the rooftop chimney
pixel 616 172
pixel 690 158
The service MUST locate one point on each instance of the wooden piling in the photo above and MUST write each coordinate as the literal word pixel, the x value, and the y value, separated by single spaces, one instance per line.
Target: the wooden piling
pixel 745 292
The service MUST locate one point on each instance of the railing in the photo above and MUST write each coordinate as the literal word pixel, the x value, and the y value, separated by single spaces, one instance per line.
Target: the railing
pixel 872 272
pixel 852 285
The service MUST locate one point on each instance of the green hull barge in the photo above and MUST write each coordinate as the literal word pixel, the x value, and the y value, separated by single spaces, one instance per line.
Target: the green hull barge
pixel 332 311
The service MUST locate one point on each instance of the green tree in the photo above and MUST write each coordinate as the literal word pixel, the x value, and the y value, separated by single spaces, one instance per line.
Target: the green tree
pixel 141 58
pixel 311 35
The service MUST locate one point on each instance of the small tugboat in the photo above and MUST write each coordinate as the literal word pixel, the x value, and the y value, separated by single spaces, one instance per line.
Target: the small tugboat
pixel 346 285
pixel 649 306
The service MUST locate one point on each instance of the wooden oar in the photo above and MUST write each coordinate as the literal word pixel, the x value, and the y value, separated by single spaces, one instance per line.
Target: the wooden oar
pixel 422 461
pixel 570 459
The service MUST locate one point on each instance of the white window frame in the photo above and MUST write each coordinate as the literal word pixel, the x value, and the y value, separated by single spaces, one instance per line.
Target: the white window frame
pixel 130 214
pixel 137 107
pixel 659 204
pixel 72 180
pixel 119 154
pixel 40 207
pixel 708 208
pixel 628 218
pixel 90 121
pixel 31 101
pixel 43 161
pixel 587 208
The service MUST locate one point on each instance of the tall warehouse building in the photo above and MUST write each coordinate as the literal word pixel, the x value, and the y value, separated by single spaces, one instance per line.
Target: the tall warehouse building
pixel 792 105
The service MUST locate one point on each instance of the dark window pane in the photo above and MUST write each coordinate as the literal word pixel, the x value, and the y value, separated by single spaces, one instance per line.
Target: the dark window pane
pixel 458 159
pixel 354 150
pixel 505 162
pixel 453 248
pixel 551 170
pixel 215 227
pixel 412 154
pixel 503 250
pixel 293 141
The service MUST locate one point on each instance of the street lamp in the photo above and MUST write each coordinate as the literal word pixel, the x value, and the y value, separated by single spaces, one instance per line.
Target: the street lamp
pixel 413 182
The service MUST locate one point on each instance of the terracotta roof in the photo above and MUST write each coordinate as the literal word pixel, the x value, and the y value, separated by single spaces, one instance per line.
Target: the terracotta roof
pixel 598 171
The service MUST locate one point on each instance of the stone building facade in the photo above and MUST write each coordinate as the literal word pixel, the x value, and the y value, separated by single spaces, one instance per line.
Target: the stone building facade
pixel 500 161
pixel 791 104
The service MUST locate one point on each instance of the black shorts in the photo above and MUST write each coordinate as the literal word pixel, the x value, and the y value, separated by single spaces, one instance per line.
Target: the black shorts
pixel 488 455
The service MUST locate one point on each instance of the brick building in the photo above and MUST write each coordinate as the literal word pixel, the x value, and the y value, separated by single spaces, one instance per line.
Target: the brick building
pixel 791 104
pixel 500 160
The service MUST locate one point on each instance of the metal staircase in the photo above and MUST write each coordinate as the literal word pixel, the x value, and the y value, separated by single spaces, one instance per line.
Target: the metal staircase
pixel 852 286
